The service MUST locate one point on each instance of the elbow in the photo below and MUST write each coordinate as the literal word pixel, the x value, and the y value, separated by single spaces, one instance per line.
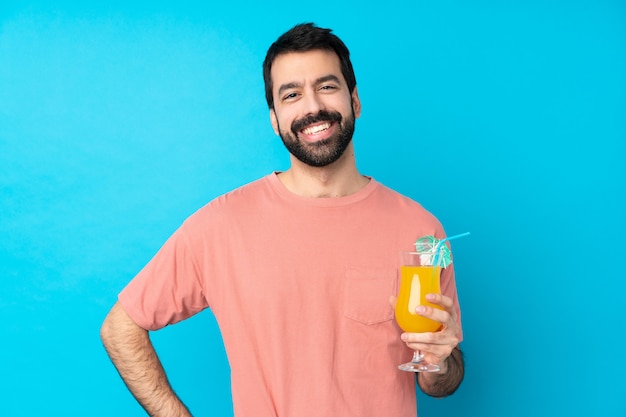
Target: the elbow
pixel 118 327
pixel 113 325
pixel 106 330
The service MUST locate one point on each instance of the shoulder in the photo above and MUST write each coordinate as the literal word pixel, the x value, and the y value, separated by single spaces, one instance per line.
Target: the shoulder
pixel 242 199
pixel 395 198
pixel 243 195
pixel 398 204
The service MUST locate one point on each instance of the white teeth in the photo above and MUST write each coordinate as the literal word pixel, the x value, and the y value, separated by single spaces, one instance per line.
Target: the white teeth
pixel 315 129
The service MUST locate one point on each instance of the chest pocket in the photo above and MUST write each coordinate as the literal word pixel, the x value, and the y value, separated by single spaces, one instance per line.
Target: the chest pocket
pixel 366 294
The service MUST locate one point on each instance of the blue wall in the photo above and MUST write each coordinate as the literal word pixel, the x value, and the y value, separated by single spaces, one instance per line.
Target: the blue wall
pixel 506 120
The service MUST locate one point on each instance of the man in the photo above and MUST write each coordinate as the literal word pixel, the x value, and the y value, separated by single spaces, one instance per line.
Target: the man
pixel 298 268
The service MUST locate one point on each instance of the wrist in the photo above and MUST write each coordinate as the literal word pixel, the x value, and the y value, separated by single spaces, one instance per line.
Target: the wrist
pixel 447 380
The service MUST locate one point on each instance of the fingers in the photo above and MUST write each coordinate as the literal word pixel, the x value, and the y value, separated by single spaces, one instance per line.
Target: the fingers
pixel 419 341
pixel 447 316
pixel 436 346
pixel 435 314
pixel 440 299
pixel 434 353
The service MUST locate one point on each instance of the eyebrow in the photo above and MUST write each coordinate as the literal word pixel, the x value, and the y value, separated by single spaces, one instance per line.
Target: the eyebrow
pixel 325 78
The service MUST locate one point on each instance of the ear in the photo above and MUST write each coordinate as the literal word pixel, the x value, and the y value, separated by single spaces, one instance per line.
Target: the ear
pixel 356 103
pixel 274 122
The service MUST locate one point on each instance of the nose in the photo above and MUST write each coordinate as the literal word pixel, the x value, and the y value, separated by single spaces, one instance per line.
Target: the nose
pixel 312 103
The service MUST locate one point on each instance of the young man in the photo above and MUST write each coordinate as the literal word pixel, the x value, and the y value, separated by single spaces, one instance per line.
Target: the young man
pixel 298 268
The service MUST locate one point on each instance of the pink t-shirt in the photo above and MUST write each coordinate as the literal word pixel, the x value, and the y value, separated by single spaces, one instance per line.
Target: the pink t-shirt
pixel 299 288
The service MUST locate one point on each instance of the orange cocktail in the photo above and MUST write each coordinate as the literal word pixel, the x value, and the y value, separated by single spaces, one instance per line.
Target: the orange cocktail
pixel 419 276
pixel 415 283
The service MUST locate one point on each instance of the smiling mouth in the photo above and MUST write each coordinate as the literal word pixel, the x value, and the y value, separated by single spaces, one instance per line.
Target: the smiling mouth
pixel 311 130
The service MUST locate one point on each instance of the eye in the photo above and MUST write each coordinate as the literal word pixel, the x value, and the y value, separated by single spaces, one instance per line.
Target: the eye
pixel 289 96
pixel 328 87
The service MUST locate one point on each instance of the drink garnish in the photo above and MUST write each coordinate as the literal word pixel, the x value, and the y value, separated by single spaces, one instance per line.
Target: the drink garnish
pixel 428 246
pixel 435 252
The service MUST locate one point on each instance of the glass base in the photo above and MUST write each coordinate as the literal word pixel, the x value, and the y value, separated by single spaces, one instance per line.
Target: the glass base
pixel 419 367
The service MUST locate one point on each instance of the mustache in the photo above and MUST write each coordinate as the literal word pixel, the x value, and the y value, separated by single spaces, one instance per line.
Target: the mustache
pixel 321 116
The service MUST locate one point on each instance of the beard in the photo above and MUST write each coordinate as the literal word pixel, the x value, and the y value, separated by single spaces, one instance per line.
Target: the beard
pixel 324 152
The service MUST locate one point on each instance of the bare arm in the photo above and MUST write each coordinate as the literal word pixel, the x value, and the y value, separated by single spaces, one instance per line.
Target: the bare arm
pixel 132 353
pixel 444 383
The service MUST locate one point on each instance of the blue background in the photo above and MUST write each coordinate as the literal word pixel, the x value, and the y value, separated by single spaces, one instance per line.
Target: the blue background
pixel 506 119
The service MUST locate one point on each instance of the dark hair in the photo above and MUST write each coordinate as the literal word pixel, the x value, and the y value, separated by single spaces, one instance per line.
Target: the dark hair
pixel 302 38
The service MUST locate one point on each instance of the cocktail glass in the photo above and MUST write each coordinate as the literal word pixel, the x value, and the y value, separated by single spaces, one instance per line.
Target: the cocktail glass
pixel 418 277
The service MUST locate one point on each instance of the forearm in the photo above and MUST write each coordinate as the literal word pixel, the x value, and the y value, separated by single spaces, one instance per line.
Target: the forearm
pixel 444 383
pixel 132 353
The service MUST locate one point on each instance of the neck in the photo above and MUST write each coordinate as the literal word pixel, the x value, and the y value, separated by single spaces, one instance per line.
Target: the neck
pixel 338 179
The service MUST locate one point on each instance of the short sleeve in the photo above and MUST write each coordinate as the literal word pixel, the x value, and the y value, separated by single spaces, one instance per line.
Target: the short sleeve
pixel 168 289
